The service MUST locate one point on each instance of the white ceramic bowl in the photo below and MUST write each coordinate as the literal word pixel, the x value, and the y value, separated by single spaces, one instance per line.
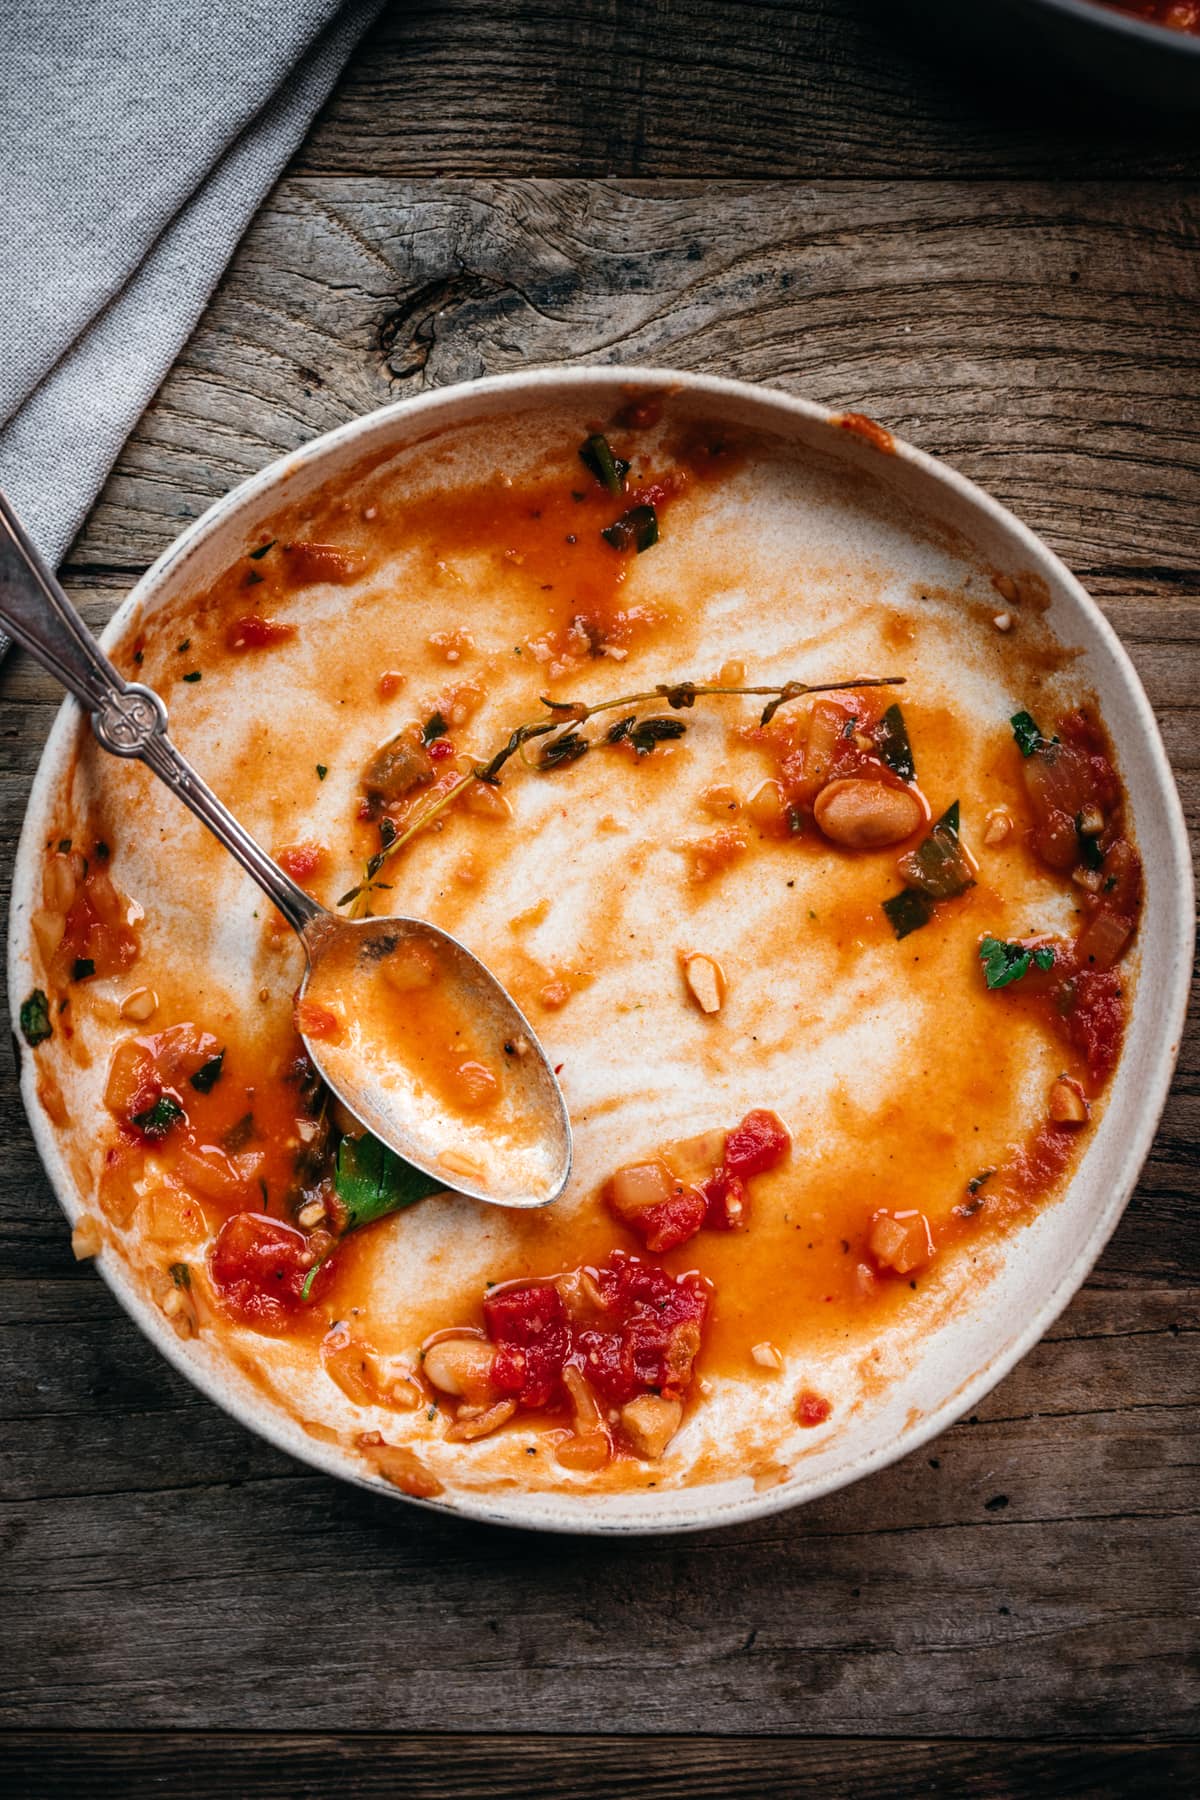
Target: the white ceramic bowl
pixel 1044 1263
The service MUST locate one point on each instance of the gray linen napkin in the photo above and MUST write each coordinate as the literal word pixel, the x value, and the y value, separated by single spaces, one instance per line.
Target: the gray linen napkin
pixel 137 138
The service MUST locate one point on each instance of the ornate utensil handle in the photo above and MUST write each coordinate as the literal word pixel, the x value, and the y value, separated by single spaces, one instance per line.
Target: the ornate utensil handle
pixel 127 718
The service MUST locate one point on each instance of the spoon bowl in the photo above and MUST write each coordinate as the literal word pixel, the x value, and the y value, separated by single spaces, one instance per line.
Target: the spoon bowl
pixel 414 1034
pixel 384 1000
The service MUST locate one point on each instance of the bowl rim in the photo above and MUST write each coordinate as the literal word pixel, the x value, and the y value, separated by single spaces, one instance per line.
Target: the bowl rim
pixel 1097 14
pixel 538 1510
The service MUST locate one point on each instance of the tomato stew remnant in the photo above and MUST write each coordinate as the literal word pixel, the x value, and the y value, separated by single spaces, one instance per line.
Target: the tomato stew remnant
pixel 696 1182
pixel 1175 15
pixel 609 1349
pixel 1079 832
pixel 224 1144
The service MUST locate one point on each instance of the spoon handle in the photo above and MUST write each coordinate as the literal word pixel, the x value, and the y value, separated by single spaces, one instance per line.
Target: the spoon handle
pixel 127 718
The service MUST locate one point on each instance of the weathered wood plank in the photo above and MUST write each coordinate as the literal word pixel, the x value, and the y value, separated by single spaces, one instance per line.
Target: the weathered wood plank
pixel 832 88
pixel 1027 1573
pixel 121 1765
pixel 1040 337
pixel 1032 1572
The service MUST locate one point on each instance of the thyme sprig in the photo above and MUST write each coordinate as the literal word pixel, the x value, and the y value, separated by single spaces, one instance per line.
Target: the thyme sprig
pixel 570 714
pixel 562 727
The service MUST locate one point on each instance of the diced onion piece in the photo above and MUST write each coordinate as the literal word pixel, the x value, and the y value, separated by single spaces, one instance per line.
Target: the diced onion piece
pixel 767 806
pixel 140 1005
pixel 767 1356
pixel 692 1160
pixel 470 1426
pixel 706 981
pixel 998 828
pixel 412 964
pixel 131 1078
pixel 900 1241
pixel 60 882
pixel 48 928
pixel 1067 1103
pixel 584 1453
pixel 485 802
pixel 650 1422
pixel 86 1238
pixel 1102 942
pixel 639 1186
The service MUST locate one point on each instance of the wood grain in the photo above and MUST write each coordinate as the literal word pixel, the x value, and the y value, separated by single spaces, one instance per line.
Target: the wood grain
pixel 764 88
pixel 122 1766
pixel 1032 1574
pixel 1043 338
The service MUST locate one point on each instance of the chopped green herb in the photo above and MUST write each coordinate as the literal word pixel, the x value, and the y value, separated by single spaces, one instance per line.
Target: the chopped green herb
pixel 891 741
pixel 35 1018
pixel 649 732
pixel 563 750
pixel 186 645
pixel 1004 963
pixel 939 865
pixel 139 657
pixel 261 551
pixel 848 729
pixel 322 771
pixel 193 676
pixel 82 967
pixel 637 529
pixel 621 730
pixel 371 1181
pixel 1026 732
pixel 434 727
pixel 181 1275
pixel 908 911
pixel 597 454
pixel 208 1074
pixel 158 1119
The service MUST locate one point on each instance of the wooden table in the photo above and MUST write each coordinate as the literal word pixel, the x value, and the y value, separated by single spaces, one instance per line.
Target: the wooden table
pixel 789 193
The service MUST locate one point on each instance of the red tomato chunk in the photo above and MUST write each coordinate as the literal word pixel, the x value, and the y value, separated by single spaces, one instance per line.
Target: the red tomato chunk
pixel 666 1199
pixel 756 1145
pixel 811 1409
pixel 259 1266
pixel 528 1326
pixel 637 1332
pixel 648 1333
pixel 253 632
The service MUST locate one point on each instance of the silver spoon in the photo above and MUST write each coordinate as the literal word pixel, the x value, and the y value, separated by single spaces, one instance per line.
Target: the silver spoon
pixel 377 974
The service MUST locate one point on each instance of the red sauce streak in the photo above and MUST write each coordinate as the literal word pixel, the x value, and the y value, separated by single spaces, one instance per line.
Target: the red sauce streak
pixel 1175 15
pixel 867 429
pixel 253 632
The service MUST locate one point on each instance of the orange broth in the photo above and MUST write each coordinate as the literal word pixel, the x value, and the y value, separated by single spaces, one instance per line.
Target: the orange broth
pixel 799 1271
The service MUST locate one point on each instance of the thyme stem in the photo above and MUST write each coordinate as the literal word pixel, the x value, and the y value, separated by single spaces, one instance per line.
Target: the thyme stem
pixel 569 715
